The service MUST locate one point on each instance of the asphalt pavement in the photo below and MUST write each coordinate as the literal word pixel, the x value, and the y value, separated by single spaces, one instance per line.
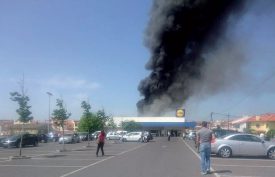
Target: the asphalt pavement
pixel 159 158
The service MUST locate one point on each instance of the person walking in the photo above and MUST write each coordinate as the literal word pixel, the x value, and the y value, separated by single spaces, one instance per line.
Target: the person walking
pixel 100 142
pixel 169 135
pixel 204 137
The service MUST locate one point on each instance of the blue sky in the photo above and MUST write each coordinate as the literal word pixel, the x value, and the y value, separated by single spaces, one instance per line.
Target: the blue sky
pixel 94 50
pixel 77 50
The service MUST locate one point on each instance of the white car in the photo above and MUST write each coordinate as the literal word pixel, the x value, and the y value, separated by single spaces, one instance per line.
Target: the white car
pixel 113 136
pixel 132 136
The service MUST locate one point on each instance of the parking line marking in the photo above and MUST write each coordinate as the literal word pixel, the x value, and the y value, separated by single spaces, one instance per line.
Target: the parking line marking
pixel 62 159
pixel 217 175
pixel 90 165
pixel 237 176
pixel 241 159
pixel 47 166
pixel 250 166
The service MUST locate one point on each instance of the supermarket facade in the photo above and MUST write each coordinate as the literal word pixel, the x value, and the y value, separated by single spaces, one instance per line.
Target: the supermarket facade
pixel 159 125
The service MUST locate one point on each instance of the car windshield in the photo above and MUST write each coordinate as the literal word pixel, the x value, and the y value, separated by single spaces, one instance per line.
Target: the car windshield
pixel 13 138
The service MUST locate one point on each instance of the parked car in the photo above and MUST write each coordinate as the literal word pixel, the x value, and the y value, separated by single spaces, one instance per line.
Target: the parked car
pixel 222 132
pixel 192 135
pixel 95 135
pixel 132 136
pixel 43 138
pixel 242 145
pixel 53 137
pixel 113 136
pixel 83 136
pixel 2 139
pixel 69 138
pixel 147 136
pixel 27 139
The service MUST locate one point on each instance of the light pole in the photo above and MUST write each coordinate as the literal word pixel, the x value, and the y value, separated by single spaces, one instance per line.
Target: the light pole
pixel 50 94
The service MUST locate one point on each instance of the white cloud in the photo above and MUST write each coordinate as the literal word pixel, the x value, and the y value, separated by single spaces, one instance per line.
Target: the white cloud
pixel 69 82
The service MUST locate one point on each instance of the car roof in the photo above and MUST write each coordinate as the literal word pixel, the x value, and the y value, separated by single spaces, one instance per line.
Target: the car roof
pixel 234 134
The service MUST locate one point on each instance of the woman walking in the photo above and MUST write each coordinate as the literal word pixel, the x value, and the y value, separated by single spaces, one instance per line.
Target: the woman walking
pixel 100 142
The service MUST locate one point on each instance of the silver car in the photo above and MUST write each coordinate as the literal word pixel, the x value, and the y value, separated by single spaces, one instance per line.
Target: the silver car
pixel 132 136
pixel 69 138
pixel 242 145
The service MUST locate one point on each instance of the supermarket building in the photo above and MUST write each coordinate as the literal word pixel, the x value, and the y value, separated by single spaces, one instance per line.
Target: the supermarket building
pixel 159 125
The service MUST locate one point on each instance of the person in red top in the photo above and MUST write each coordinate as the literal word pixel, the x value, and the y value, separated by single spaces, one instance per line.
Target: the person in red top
pixel 100 143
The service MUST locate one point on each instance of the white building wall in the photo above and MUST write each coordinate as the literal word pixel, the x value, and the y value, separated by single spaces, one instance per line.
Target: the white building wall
pixel 118 120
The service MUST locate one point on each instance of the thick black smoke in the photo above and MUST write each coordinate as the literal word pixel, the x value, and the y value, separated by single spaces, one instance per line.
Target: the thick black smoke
pixel 177 35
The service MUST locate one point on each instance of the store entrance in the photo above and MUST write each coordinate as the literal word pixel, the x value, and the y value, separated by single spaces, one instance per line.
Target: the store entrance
pixel 174 133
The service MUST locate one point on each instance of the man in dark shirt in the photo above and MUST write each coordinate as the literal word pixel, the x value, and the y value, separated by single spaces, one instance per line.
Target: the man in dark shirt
pixel 204 137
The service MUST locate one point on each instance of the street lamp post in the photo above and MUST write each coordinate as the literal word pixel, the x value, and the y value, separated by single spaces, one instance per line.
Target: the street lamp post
pixel 50 94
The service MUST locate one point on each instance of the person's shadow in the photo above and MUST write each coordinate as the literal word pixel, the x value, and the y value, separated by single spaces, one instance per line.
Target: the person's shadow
pixel 221 171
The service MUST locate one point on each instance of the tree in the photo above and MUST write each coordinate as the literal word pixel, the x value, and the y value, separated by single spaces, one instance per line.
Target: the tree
pixel 102 116
pixel 24 110
pixel 89 122
pixel 60 115
pixel 270 134
pixel 86 121
pixel 130 126
pixel 111 124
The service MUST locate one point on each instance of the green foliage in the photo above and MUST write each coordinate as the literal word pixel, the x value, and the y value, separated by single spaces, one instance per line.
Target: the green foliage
pixel 270 134
pixel 102 115
pixel 24 110
pixel 86 107
pixel 60 114
pixel 89 121
pixel 130 126
pixel 90 124
pixel 111 124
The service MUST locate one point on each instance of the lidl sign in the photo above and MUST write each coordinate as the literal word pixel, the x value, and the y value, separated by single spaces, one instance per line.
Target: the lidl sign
pixel 180 113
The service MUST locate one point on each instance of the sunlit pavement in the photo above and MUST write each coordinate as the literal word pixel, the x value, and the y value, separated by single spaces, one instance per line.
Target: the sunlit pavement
pixel 240 166
pixel 160 158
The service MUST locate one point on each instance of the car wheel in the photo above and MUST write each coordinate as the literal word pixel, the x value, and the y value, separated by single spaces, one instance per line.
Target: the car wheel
pixel 108 138
pixel 225 152
pixel 271 153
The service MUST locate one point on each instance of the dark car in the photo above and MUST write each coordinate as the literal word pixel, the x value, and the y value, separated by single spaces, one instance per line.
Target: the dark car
pixel 2 139
pixel 83 136
pixel 27 139
pixel 146 137
pixel 43 138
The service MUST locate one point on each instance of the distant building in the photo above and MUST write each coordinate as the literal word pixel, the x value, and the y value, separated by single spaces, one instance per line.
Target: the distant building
pixel 159 125
pixel 6 127
pixel 258 124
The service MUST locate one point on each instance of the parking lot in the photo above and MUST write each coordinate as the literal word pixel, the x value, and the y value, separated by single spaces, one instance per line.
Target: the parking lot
pixel 130 159
pixel 47 160
pixel 239 166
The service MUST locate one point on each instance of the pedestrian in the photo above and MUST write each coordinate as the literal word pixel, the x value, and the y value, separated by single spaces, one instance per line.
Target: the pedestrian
pixel 100 142
pixel 169 135
pixel 204 137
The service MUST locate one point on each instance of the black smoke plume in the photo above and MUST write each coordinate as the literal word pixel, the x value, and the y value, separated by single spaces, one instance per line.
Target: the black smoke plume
pixel 177 35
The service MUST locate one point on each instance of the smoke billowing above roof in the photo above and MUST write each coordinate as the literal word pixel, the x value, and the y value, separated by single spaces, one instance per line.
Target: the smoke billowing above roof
pixel 179 36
